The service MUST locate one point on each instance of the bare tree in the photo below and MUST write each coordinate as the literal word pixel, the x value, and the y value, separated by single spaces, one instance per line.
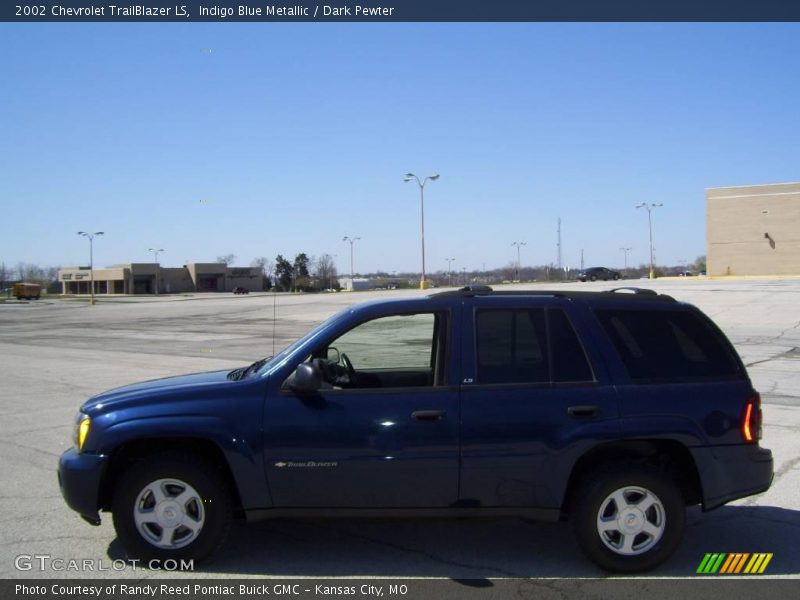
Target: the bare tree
pixel 227 259
pixel 5 274
pixel 325 270
pixel 266 266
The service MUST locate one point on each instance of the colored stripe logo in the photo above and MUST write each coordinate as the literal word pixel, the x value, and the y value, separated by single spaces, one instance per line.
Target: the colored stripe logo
pixel 735 563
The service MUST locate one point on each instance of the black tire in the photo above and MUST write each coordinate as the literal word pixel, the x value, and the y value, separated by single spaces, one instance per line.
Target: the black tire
pixel 593 494
pixel 205 478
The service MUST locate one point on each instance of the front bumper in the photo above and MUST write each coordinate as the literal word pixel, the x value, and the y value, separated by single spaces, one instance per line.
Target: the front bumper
pixel 79 477
pixel 732 472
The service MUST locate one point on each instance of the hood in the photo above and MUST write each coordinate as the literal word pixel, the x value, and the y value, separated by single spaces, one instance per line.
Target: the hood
pixel 152 389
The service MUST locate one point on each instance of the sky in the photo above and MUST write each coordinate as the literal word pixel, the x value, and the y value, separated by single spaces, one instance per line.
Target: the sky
pixel 264 139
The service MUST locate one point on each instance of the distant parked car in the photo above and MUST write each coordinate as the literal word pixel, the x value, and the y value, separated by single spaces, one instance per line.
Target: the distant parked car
pixel 240 290
pixel 685 274
pixel 595 273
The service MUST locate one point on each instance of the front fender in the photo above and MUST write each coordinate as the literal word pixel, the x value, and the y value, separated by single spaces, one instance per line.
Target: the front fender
pixel 240 449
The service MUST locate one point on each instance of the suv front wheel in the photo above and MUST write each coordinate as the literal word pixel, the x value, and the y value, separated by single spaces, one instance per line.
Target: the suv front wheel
pixel 171 506
pixel 628 517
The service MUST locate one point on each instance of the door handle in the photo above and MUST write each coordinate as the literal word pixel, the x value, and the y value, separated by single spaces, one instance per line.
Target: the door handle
pixel 583 411
pixel 428 415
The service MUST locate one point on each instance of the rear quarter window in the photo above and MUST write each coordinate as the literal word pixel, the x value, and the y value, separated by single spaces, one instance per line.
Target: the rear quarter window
pixel 667 345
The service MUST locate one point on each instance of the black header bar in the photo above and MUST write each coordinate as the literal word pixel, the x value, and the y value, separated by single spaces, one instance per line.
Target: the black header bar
pixel 129 11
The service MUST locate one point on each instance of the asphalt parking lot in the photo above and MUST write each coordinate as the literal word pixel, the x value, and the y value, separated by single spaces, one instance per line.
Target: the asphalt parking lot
pixel 56 353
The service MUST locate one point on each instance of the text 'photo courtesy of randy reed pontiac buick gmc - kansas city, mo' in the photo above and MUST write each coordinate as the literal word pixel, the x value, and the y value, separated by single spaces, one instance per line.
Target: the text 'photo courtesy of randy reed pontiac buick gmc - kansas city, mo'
pixel 611 410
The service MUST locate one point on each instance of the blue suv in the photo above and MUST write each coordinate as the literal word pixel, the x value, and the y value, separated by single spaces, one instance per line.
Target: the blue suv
pixel 612 410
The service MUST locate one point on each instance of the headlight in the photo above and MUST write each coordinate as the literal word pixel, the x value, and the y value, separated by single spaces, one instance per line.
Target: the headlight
pixel 81 430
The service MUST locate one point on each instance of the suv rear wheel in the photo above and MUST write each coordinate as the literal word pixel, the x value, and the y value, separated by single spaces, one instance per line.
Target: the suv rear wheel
pixel 171 506
pixel 628 517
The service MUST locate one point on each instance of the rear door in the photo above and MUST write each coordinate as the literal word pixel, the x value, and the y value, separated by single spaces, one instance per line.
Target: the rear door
pixel 535 396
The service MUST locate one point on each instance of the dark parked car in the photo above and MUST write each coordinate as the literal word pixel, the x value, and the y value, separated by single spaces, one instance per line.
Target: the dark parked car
pixel 612 410
pixel 595 273
pixel 240 290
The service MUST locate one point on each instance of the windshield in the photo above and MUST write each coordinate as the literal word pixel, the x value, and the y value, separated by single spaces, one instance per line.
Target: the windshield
pixel 275 360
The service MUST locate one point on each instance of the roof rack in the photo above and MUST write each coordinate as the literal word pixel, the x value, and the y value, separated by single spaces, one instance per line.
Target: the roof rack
pixel 485 290
pixel 634 290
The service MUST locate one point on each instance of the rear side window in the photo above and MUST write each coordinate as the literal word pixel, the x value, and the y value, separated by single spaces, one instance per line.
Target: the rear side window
pixel 512 347
pixel 667 345
pixel 568 358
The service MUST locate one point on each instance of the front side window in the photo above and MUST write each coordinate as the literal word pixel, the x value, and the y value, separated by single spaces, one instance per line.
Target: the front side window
pixel 397 351
pixel 395 342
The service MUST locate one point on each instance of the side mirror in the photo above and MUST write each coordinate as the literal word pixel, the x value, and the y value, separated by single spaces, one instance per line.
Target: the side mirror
pixel 332 355
pixel 305 379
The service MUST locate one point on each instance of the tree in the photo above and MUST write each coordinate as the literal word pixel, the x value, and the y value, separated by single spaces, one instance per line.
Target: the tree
pixel 227 259
pixel 700 264
pixel 302 278
pixel 325 271
pixel 266 266
pixel 283 273
pixel 5 274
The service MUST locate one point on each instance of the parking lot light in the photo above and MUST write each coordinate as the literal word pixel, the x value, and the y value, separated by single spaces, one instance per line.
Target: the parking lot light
pixel 155 260
pixel 518 245
pixel 625 252
pixel 91 261
pixel 411 177
pixel 650 208
pixel 352 241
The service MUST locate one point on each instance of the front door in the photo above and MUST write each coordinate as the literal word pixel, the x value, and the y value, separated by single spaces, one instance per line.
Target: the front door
pixel 383 430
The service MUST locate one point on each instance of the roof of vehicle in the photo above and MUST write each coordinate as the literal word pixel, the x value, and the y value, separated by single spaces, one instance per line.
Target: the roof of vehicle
pixel 620 292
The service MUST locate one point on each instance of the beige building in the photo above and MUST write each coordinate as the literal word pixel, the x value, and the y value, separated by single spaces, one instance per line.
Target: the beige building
pixel 753 230
pixel 144 278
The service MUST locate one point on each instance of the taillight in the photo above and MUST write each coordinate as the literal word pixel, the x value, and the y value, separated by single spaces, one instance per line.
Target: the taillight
pixel 751 421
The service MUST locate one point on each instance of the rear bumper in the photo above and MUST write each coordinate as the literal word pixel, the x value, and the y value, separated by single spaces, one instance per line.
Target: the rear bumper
pixel 79 478
pixel 731 472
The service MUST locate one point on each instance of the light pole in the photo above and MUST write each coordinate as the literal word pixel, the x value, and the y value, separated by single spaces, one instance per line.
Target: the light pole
pixel 518 245
pixel 411 177
pixel 625 252
pixel 91 260
pixel 155 260
pixel 450 271
pixel 464 270
pixel 352 241
pixel 650 208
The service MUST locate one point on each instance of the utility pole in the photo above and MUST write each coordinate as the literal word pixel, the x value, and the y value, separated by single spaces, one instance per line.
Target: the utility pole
pixel 559 243
pixel 581 259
